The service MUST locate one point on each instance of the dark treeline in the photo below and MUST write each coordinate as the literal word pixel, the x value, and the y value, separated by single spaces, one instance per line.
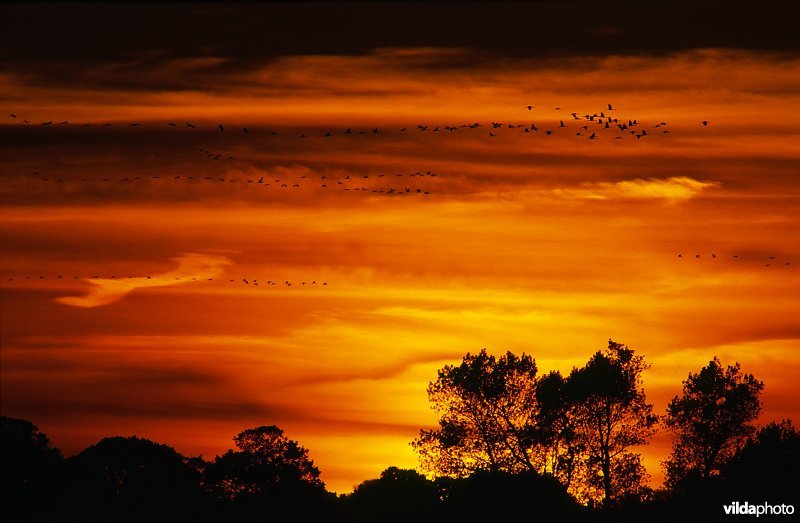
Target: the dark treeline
pixel 510 444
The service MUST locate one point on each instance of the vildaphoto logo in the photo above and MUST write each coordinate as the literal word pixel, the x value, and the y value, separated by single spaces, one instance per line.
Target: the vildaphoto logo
pixel 746 509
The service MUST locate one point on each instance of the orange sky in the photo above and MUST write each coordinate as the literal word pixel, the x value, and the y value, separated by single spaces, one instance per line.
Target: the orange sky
pixel 548 245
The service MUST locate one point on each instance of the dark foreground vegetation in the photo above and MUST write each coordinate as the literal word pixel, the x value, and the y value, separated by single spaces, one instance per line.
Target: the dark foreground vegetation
pixel 510 445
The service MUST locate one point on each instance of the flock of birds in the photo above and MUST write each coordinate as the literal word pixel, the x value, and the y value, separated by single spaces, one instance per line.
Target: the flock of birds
pixel 364 182
pixel 588 126
pixel 769 261
pixel 243 281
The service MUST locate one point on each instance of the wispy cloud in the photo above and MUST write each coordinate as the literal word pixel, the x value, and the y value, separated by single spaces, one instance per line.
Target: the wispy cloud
pixel 191 267
pixel 673 190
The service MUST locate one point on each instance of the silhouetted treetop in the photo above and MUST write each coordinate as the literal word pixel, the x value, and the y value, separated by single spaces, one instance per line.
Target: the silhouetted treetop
pixel 496 415
pixel 711 419
pixel 398 494
pixel 267 462
pixel 611 414
pixel 486 407
pixel 133 475
pixel 30 467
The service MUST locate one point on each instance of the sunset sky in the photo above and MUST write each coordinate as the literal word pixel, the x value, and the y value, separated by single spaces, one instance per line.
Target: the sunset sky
pixel 118 243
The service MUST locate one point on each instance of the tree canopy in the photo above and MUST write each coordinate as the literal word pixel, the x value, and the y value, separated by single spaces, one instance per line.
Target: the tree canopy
pixel 267 468
pixel 132 475
pixel 710 420
pixel 497 415
pixel 486 407
pixel 610 411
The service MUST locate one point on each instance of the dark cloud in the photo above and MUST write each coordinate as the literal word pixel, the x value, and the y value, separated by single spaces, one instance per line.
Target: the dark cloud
pixel 61 42
pixel 92 32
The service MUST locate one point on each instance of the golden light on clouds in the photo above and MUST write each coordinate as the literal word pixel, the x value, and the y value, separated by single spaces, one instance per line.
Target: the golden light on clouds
pixel 673 190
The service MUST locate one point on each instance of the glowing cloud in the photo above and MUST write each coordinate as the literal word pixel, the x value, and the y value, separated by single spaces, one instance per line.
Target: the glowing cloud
pixel 191 267
pixel 675 189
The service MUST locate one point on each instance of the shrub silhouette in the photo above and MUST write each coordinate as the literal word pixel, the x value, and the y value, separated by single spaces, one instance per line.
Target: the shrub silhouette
pixel 504 496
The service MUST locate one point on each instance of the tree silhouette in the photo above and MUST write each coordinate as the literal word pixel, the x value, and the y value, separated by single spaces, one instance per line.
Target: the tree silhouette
pixel 611 414
pixel 557 435
pixel 710 420
pixel 486 409
pixel 30 469
pixel 399 494
pixel 268 471
pixel 131 478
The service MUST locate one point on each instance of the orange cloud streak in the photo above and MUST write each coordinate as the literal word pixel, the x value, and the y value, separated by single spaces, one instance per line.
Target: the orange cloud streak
pixel 191 267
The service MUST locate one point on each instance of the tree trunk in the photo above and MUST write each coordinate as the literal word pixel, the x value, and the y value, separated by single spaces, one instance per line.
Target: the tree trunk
pixel 606 481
